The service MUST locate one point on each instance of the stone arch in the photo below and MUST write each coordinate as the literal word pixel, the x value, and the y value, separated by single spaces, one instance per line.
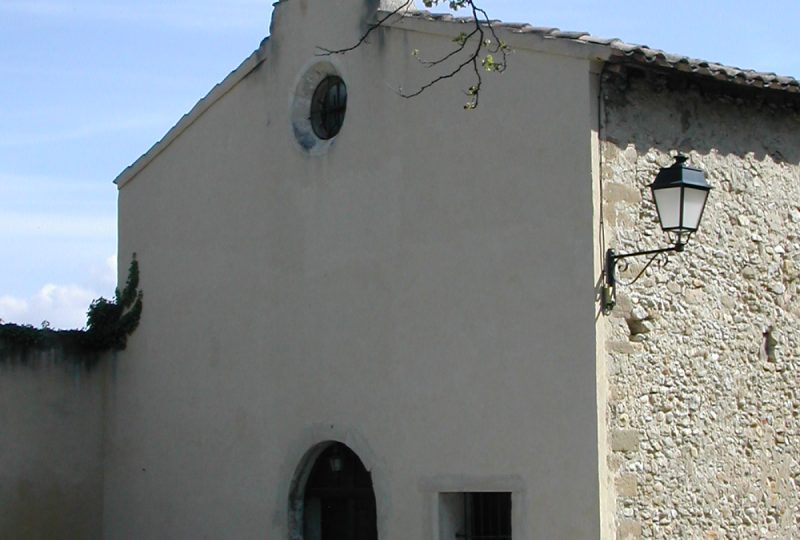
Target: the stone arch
pixel 332 496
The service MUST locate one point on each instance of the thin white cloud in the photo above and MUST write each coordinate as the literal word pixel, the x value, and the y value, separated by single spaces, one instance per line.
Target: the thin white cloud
pixel 208 15
pixel 33 186
pixel 85 131
pixel 12 307
pixel 105 275
pixel 74 227
pixel 62 306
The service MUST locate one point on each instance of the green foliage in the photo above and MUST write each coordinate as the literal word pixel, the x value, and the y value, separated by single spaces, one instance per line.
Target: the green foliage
pixel 108 325
pixel 24 335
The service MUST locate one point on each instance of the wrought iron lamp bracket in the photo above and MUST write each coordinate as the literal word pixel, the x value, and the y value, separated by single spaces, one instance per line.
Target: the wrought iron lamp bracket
pixel 612 257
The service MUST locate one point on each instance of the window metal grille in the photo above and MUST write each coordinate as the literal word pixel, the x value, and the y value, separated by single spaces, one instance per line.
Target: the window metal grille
pixel 328 106
pixel 487 516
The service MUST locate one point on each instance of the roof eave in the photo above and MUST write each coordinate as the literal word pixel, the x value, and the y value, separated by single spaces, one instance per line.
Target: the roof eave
pixel 518 36
pixel 216 93
pixel 583 45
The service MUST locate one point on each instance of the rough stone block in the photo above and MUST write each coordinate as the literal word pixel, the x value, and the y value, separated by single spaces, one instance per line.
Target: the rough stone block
pixel 626 485
pixel 615 193
pixel 629 529
pixel 625 440
pixel 621 347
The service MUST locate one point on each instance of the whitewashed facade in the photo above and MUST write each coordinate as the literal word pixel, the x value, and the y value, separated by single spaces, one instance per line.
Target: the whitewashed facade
pixel 413 302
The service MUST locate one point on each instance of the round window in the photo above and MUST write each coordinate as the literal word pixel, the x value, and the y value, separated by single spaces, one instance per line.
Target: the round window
pixel 328 106
pixel 318 107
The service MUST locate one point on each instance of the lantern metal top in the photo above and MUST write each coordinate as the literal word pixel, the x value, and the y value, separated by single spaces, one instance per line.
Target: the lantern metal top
pixel 679 174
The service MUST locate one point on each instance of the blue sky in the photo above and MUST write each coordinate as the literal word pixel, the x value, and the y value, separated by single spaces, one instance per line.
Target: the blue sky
pixel 90 85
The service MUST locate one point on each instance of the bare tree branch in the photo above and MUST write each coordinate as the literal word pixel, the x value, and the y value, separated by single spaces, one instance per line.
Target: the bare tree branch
pixel 462 40
pixel 487 62
pixel 479 50
pixel 474 90
pixel 380 22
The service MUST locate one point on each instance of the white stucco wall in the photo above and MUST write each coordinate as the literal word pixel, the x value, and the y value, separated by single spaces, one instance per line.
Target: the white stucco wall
pixel 51 459
pixel 423 292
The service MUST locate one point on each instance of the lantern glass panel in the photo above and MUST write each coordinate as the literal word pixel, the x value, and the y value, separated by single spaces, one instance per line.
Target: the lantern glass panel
pixel 694 200
pixel 668 203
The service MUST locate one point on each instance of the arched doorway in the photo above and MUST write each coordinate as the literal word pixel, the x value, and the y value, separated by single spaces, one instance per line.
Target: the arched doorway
pixel 338 500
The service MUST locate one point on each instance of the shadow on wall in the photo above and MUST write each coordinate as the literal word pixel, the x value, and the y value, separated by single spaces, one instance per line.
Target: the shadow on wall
pixel 49 511
pixel 700 116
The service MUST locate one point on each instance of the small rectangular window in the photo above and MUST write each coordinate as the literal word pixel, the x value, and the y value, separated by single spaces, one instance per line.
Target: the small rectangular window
pixel 477 515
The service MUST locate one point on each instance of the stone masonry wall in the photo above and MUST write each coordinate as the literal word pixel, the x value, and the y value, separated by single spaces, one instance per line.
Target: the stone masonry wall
pixel 704 353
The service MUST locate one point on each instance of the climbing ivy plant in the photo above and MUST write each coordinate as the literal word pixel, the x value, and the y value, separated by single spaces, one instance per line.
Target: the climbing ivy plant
pixel 108 325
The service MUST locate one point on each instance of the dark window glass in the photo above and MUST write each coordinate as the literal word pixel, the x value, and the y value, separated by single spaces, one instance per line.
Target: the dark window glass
pixel 487 516
pixel 328 106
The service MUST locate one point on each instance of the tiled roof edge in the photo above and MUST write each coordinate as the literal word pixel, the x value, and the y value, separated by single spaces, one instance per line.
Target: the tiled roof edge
pixel 623 52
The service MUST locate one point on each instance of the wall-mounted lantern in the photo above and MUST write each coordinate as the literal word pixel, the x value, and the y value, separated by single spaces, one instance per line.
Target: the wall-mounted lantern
pixel 680 193
pixel 335 460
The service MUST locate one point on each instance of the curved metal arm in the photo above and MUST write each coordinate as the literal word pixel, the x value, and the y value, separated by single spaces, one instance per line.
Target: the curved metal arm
pixel 610 291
